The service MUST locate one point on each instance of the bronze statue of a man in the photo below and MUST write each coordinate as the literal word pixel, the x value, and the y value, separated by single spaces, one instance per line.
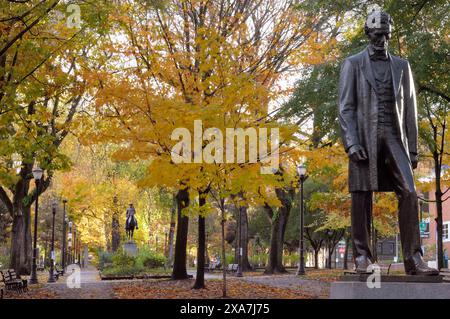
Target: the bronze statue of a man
pixel 378 120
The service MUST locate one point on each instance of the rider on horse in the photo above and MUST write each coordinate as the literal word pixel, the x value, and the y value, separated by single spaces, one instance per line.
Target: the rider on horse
pixel 131 221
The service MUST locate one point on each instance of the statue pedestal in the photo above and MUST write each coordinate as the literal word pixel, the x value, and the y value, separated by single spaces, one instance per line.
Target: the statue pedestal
pixel 391 287
pixel 130 248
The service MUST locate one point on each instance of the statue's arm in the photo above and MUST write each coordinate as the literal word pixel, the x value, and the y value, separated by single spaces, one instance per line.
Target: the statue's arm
pixel 347 105
pixel 410 113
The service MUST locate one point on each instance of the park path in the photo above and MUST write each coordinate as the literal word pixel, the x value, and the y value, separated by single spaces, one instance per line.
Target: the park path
pixel 91 287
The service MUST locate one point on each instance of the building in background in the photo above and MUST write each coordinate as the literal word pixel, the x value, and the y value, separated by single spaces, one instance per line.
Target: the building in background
pixel 429 228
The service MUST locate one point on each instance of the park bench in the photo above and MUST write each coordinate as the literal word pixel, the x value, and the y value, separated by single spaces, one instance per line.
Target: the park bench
pixel 59 270
pixel 211 266
pixel 2 290
pixel 232 267
pixel 56 274
pixel 13 282
pixel 14 276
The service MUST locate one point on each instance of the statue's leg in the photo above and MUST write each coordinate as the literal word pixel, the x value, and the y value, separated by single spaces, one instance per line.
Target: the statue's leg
pixel 361 217
pixel 400 169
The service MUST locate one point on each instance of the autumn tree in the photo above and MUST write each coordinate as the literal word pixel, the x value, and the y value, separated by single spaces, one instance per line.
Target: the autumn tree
pixel 217 61
pixel 41 92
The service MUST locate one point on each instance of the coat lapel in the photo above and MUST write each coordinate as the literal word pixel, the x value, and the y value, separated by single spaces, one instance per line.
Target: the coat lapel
pixel 397 73
pixel 367 70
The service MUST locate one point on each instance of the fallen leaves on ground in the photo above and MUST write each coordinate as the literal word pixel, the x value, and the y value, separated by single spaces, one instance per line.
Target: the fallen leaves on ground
pixel 325 275
pixel 33 293
pixel 182 289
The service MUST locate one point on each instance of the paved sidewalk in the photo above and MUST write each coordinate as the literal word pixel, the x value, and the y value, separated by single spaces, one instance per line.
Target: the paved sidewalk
pixel 91 287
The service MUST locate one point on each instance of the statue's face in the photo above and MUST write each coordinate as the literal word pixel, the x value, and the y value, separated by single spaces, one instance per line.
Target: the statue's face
pixel 379 37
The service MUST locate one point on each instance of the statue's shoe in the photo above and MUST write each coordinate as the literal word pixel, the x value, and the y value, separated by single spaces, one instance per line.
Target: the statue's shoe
pixel 416 266
pixel 362 263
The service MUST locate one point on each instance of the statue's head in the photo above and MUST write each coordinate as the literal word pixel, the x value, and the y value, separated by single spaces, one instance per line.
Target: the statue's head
pixel 378 28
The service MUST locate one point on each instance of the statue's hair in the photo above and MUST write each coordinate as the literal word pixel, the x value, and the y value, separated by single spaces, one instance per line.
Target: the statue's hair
pixel 384 17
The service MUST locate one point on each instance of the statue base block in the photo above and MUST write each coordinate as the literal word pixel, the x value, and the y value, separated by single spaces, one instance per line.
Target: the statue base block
pixel 391 287
pixel 130 248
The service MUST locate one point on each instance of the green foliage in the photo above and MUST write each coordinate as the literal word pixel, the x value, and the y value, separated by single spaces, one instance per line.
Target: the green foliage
pixel 291 260
pixel 230 259
pixel 149 259
pixel 4 261
pixel 104 258
pixel 122 264
pixel 259 260
pixel 122 260
pixel 122 270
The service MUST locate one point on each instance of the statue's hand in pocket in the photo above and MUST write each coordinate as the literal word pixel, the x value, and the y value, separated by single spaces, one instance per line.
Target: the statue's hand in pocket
pixel 356 153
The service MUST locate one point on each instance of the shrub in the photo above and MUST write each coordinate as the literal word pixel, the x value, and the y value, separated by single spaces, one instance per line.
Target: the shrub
pixel 122 271
pixel 122 260
pixel 258 259
pixel 104 258
pixel 150 259
pixel 230 259
pixel 4 261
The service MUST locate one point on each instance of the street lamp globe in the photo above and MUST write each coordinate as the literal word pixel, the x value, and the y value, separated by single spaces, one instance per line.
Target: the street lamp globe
pixel 301 170
pixel 37 173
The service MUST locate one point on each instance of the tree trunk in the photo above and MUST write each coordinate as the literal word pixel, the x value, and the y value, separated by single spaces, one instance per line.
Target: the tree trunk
pixel 316 258
pixel 279 222
pixel 347 242
pixel 115 233
pixel 275 261
pixel 115 227
pixel 224 261
pixel 179 264
pixel 242 231
pixel 273 248
pixel 330 256
pixel 201 248
pixel 172 231
pixel 439 221
pixel 21 239
pixel 20 210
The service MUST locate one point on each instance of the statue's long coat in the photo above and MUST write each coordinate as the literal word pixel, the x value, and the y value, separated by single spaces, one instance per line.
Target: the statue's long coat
pixel 358 117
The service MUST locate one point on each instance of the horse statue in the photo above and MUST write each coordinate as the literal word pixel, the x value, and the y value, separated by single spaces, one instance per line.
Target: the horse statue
pixel 131 222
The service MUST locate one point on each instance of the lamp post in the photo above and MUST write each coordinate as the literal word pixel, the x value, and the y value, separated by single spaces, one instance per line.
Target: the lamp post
pixel 79 250
pixel 301 170
pixel 51 277
pixel 74 251
pixel 63 250
pixel 69 244
pixel 37 174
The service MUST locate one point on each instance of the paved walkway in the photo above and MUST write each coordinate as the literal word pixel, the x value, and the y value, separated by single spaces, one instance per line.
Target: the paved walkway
pixel 90 286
